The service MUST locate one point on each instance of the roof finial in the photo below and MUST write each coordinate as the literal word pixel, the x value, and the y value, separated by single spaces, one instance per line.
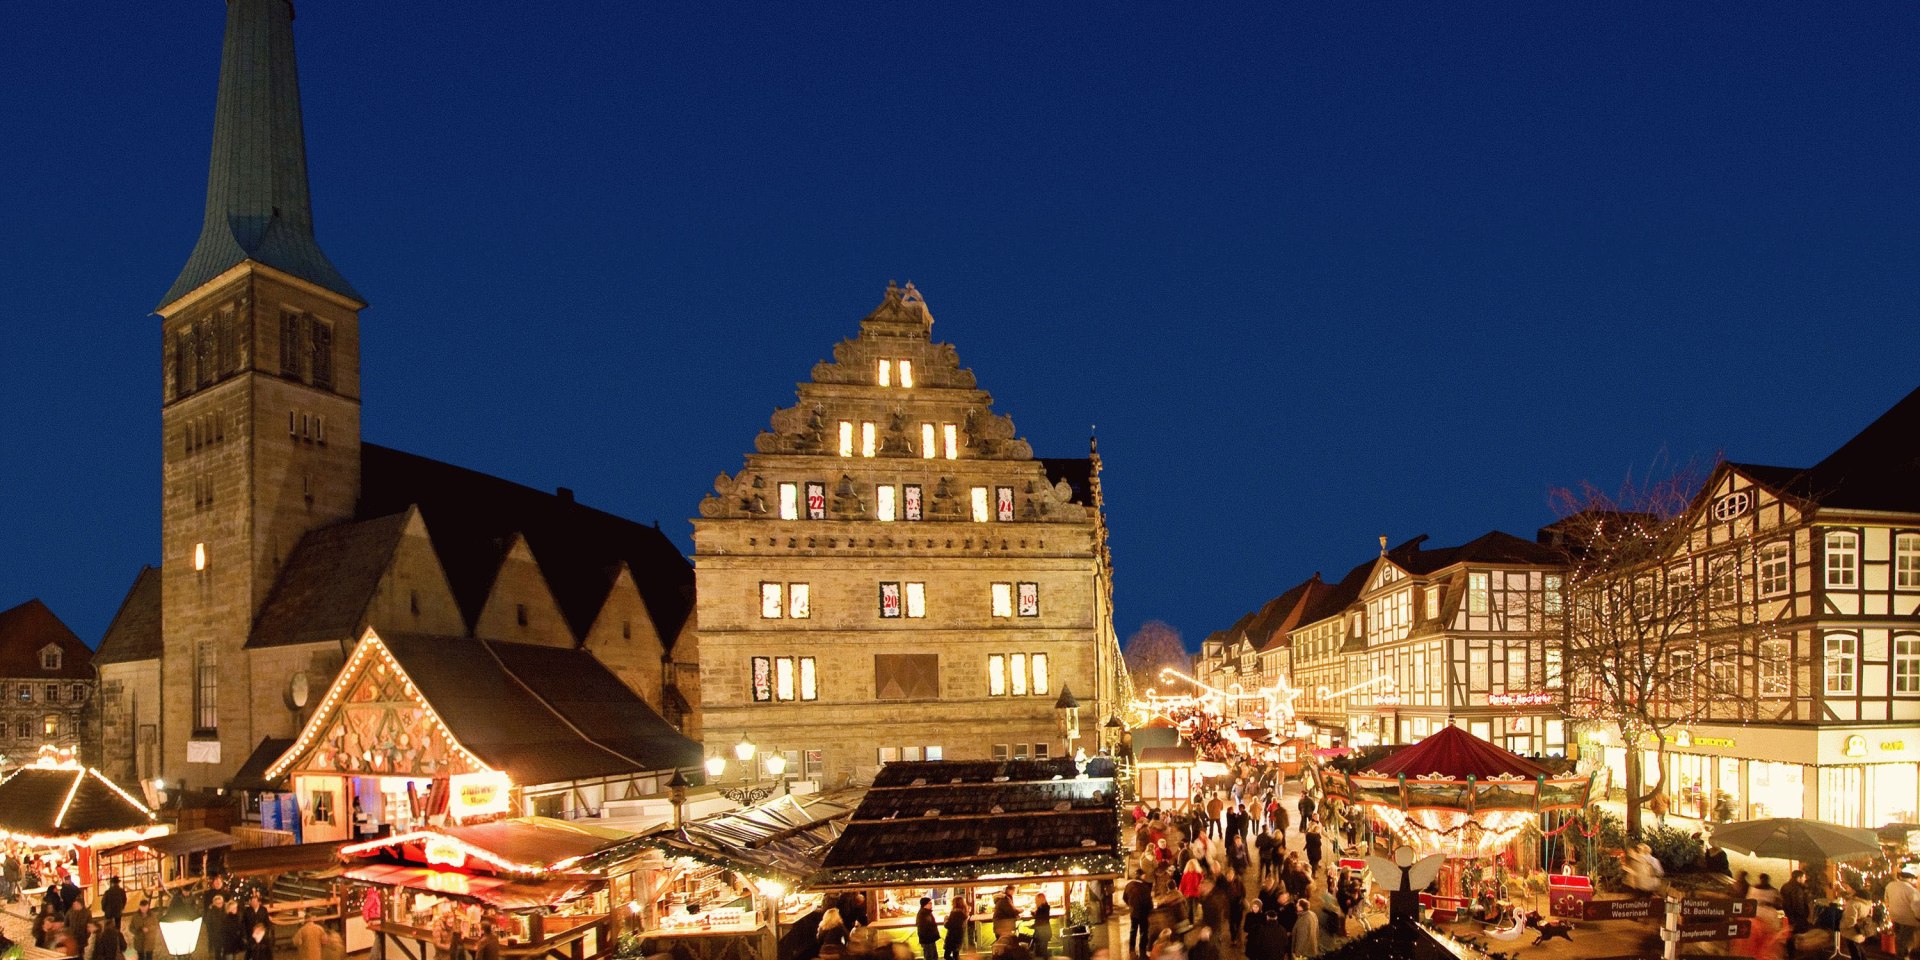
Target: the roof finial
pixel 258 207
pixel 1383 544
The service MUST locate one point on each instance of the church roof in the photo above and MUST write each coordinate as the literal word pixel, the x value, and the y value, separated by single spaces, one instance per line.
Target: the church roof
pixel 542 714
pixel 258 207
pixel 26 630
pixel 324 588
pixel 134 633
pixel 472 519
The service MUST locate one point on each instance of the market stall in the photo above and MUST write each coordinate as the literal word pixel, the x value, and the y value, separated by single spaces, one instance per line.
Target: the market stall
pixel 59 815
pixel 168 862
pixel 725 887
pixel 541 883
pixel 946 829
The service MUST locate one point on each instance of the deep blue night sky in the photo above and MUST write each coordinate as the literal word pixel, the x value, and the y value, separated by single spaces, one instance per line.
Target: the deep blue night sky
pixel 1316 275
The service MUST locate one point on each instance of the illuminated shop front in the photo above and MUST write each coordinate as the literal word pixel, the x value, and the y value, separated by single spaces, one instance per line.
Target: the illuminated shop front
pixel 1847 775
pixel 418 732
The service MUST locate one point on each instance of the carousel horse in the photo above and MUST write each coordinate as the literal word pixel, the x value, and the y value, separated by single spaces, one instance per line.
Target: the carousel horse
pixel 1514 930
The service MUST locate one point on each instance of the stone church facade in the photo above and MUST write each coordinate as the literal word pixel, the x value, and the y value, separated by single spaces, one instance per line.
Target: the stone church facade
pixel 284 536
pixel 894 575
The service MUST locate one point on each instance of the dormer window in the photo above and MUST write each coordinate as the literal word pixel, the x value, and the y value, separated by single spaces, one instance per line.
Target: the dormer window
pixel 50 658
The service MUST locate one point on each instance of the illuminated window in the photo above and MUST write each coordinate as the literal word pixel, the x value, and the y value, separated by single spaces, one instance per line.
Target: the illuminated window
pixel 1906 561
pixel 868 438
pixel 906 380
pixel 1555 671
pixel 1017 674
pixel 1028 596
pixel 1843 559
pixel 886 503
pixel 783 678
pixel 1477 592
pixel 928 444
pixel 890 599
pixel 1776 568
pixel 1433 603
pixel 846 438
pixel 1003 504
pixel 916 600
pixel 1842 661
pixel 886 373
pixel 1554 599
pixel 762 679
pixel 910 495
pixel 799 605
pixel 1003 599
pixel 771 603
pixel 1042 682
pixel 809 680
pixel 950 436
pixel 199 556
pixel 50 725
pixel 1773 668
pixel 996 674
pixel 1906 663
pixel 979 504
pixel 1723 579
pixel 816 501
pixel 789 501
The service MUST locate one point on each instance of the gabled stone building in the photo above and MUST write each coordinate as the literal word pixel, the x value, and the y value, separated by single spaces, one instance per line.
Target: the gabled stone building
pixel 284 537
pixel 46 683
pixel 894 575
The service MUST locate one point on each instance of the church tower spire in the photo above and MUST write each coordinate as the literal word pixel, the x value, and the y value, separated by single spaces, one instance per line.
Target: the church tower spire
pixel 257 202
pixel 260 411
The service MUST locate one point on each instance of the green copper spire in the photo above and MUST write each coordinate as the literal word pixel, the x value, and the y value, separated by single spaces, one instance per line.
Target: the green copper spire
pixel 257 203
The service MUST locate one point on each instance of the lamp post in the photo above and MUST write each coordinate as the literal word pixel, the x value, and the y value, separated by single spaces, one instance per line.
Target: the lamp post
pixel 677 795
pixel 1067 709
pixel 180 927
pixel 747 793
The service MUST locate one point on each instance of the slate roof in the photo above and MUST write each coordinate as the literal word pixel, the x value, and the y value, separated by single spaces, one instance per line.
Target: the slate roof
pixel 472 519
pixel 542 714
pixel 258 207
pixel 67 802
pixel 958 820
pixel 25 630
pixel 134 633
pixel 252 774
pixel 1878 469
pixel 1076 471
pixel 324 587
pixel 1269 624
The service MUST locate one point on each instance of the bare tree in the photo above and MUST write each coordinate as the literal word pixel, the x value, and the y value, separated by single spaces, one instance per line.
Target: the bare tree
pixel 1153 647
pixel 1656 633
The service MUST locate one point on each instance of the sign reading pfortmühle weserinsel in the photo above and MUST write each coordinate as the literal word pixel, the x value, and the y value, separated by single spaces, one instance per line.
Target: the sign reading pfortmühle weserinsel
pixel 1638 908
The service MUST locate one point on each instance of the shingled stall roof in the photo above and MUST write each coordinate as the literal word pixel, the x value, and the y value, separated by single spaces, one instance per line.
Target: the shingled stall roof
pixel 541 714
pixel 945 821
pixel 134 633
pixel 473 518
pixel 72 805
pixel 784 839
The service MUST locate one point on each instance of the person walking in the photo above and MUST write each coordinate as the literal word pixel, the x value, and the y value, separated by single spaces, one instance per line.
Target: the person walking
pixel 217 925
pixel 372 908
pixel 306 940
pixel 79 920
pixel 1313 848
pixel 1005 915
pixel 1856 922
pixel 1796 902
pixel 1139 899
pixel 108 942
pixel 928 927
pixel 143 930
pixel 1190 889
pixel 10 876
pixel 1042 924
pixel 1306 807
pixel 113 903
pixel 957 919
pixel 1900 898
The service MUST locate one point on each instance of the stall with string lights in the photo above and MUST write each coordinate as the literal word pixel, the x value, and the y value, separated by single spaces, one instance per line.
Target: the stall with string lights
pixel 942 829
pixel 65 813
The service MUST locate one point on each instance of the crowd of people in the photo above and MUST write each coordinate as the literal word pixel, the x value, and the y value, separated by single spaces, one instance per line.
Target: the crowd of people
pixel 1219 869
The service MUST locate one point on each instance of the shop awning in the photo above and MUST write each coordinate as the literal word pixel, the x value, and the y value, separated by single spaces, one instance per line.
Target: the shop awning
pixel 493 891
pixel 197 840
pixel 784 839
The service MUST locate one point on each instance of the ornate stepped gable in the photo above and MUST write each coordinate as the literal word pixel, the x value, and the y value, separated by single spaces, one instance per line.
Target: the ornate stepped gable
pixel 847 390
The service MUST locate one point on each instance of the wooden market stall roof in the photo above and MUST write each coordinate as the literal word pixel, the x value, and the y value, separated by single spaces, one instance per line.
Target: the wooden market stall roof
pixel 945 821
pixel 67 803
pixel 286 858
pixel 784 839
pixel 501 892
pixel 197 840
pixel 540 847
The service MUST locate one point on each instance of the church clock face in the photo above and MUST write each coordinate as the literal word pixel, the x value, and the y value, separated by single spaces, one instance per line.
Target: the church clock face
pixel 299 690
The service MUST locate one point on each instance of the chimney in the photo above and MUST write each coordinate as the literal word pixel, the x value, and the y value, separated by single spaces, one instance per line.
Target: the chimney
pixel 564 493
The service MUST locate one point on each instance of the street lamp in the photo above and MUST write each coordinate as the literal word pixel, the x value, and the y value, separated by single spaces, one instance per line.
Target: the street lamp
pixel 776 764
pixel 1068 710
pixel 180 927
pixel 716 765
pixel 747 794
pixel 677 795
pixel 744 750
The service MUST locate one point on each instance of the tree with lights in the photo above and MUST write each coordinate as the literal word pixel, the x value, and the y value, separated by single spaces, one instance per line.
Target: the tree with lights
pixel 1658 616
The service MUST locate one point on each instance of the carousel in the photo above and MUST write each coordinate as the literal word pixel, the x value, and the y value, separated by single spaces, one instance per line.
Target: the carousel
pixel 1458 796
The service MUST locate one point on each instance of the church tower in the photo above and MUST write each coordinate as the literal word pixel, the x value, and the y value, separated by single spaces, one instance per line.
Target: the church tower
pixel 260 412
